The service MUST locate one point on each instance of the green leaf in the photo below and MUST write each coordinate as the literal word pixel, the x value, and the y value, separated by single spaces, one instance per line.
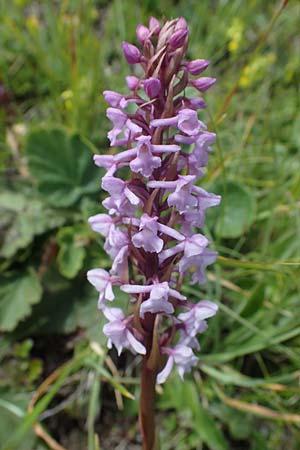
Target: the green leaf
pixel 62 165
pixel 64 311
pixel 187 399
pixel 17 295
pixel 25 217
pixel 12 411
pixel 255 301
pixel 204 423
pixel 237 211
pixel 71 252
pixel 27 421
pixel 12 201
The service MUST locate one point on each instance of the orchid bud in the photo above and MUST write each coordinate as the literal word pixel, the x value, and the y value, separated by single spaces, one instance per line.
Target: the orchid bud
pixel 178 38
pixel 181 24
pixel 142 33
pixel 197 66
pixel 131 53
pixel 203 84
pixel 154 25
pixel 195 103
pixel 152 87
pixel 132 82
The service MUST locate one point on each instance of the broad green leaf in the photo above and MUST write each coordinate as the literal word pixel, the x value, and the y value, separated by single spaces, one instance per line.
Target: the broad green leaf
pixel 12 411
pixel 65 311
pixel 17 295
pixel 26 216
pixel 71 251
pixel 237 210
pixel 62 165
pixel 12 201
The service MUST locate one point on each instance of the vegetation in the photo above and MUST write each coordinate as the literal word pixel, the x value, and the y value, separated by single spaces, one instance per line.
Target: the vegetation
pixel 59 388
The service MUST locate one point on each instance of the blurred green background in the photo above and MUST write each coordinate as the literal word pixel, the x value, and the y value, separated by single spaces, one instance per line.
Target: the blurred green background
pixel 59 389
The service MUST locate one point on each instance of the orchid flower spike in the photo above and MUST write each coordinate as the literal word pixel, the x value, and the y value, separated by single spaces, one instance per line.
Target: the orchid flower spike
pixel 151 228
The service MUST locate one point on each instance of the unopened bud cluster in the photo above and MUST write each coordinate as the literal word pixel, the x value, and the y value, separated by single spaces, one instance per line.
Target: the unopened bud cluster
pixel 151 227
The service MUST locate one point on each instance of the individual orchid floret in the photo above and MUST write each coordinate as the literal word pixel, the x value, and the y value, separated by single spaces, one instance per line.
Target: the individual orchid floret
pixel 182 356
pixel 152 87
pixel 182 197
pixel 142 33
pixel 115 241
pixel 202 148
pixel 181 23
pixel 200 262
pixel 131 53
pixel 132 82
pixel 197 66
pixel 168 231
pixel 138 289
pixel 206 199
pixel 203 84
pixel 119 333
pixel 103 282
pixel 178 38
pixel 119 191
pixel 194 103
pixel 158 299
pixel 102 223
pixel 145 162
pixel 193 321
pixel 154 26
pixel 120 120
pixel 191 246
pixel 147 236
pixel 113 98
pixel 187 121
pixel 157 302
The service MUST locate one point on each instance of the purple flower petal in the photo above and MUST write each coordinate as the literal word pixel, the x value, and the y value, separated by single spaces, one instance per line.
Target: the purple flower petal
pixel 101 223
pixel 188 122
pixel 182 198
pixel 112 98
pixel 164 374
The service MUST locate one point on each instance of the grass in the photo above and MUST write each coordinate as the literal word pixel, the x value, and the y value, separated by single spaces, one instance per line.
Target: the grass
pixel 56 60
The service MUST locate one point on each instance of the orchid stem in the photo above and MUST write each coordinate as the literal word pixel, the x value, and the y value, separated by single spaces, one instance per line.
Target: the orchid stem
pixel 147 406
